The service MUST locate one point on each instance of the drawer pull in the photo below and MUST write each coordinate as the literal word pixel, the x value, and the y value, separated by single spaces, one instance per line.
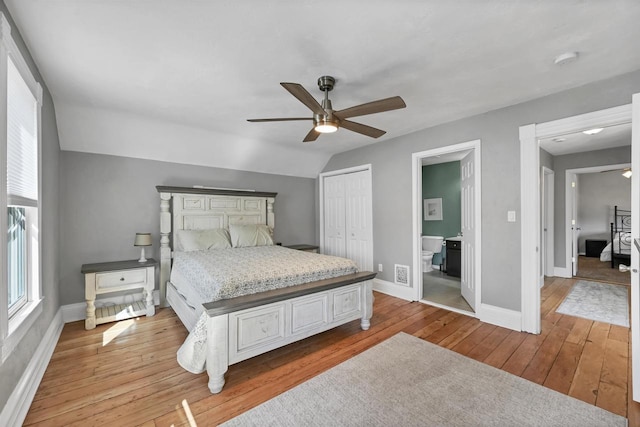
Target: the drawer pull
pixel 122 279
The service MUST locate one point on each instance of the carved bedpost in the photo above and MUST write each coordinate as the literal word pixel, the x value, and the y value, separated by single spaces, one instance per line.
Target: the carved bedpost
pixel 165 248
pixel 271 222
pixel 367 309
pixel 218 353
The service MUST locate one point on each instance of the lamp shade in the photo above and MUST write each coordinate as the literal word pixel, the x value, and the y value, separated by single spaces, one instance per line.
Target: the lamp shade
pixel 142 239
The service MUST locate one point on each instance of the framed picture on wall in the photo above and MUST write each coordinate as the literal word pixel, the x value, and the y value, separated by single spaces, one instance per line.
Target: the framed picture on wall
pixel 433 209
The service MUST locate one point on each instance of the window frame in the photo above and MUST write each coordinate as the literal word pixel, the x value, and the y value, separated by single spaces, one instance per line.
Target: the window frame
pixel 13 328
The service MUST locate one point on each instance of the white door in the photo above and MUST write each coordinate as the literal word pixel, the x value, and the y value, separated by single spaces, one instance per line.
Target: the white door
pixel 467 267
pixel 334 216
pixel 575 227
pixel 358 219
pixel 546 213
pixel 635 233
pixel 347 217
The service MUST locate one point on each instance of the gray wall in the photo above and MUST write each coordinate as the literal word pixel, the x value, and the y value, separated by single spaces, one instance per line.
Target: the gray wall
pixel 598 193
pixel 609 156
pixel 12 369
pixel 107 199
pixel 498 130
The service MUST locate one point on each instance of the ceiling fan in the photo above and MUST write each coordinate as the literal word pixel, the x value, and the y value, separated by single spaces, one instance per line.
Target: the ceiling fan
pixel 326 120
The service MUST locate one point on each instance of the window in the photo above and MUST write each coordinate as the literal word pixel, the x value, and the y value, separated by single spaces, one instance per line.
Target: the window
pixel 21 95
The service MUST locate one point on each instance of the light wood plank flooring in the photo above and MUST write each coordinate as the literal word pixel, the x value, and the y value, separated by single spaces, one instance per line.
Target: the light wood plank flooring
pixel 125 373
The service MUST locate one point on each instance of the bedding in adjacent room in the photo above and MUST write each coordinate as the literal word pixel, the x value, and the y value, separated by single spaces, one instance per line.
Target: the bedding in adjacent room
pixel 621 245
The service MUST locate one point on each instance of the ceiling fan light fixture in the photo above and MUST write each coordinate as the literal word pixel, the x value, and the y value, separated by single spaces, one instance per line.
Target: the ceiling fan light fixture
pixel 326 126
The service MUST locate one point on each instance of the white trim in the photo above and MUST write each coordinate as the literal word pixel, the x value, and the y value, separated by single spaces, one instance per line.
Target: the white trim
pixel 321 177
pixel 503 317
pixel 562 272
pixel 635 255
pixel 548 194
pixel 603 118
pixel 448 308
pixel 78 311
pixel 569 197
pixel 416 204
pixel 19 325
pixel 530 206
pixel 17 406
pixel 394 290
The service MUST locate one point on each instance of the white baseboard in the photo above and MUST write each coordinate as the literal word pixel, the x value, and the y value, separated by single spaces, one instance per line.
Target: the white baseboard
pixel 398 291
pixel 78 311
pixel 563 272
pixel 17 406
pixel 499 316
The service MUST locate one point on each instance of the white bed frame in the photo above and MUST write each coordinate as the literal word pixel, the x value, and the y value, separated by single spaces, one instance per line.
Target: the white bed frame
pixel 243 327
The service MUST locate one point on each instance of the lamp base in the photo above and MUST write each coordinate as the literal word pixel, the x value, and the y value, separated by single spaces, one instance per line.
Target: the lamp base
pixel 142 258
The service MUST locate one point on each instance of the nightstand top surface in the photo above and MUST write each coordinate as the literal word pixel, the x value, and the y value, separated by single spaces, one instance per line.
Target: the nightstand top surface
pixel 117 265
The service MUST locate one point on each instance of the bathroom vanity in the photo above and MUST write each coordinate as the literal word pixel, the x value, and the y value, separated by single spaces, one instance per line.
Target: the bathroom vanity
pixel 454 255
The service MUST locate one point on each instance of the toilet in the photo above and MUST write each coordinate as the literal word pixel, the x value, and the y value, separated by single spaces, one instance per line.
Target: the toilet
pixel 430 245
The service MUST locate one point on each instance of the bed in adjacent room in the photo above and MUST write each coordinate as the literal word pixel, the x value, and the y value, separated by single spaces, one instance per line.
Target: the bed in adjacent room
pixel 237 293
pixel 618 249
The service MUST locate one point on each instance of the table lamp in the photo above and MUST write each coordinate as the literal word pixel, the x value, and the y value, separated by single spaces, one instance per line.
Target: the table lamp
pixel 142 240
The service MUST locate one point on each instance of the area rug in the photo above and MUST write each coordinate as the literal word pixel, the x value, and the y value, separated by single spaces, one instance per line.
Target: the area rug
pixel 603 302
pixel 405 381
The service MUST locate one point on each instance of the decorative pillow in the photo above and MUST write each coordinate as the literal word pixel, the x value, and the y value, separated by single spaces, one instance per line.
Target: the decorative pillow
pixel 199 240
pixel 250 235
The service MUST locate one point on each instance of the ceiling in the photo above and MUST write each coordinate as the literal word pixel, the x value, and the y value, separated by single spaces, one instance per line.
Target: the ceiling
pixel 578 142
pixel 175 80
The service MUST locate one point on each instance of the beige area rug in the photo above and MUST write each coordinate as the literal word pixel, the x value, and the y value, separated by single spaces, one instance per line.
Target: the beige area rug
pixel 602 302
pixel 405 381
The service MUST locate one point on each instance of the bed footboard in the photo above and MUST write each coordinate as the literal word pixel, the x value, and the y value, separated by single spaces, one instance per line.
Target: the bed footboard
pixel 236 335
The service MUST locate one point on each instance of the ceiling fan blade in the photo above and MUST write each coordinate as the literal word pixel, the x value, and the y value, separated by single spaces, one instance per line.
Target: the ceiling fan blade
pixel 279 119
pixel 303 96
pixel 311 136
pixel 379 106
pixel 363 129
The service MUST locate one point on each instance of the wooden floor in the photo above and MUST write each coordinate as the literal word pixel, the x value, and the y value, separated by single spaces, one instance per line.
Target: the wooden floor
pixel 126 374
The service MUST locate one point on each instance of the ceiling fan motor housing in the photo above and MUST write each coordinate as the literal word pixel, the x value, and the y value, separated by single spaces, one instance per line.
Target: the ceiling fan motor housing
pixel 326 83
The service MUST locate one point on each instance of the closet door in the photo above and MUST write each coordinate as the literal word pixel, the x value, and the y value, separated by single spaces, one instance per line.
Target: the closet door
pixel 348 230
pixel 334 216
pixel 358 219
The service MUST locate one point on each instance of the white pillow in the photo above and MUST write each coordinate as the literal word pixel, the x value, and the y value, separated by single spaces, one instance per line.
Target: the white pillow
pixel 199 240
pixel 250 235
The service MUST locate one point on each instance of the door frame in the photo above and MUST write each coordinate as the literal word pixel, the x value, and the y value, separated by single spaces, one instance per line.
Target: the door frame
pixel 570 201
pixel 529 135
pixel 416 184
pixel 368 168
pixel 548 255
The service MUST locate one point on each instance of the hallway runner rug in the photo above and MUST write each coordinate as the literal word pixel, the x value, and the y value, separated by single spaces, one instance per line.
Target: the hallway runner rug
pixel 406 381
pixel 603 302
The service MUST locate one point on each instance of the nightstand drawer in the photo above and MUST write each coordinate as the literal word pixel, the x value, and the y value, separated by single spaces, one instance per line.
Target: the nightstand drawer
pixel 120 278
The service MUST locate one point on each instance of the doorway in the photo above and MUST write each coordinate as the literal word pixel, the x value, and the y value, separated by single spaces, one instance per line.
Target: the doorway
pixel 530 136
pixel 595 196
pixel 442 286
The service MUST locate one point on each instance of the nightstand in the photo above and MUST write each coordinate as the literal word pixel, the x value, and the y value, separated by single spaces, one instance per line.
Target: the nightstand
pixel 306 248
pixel 108 277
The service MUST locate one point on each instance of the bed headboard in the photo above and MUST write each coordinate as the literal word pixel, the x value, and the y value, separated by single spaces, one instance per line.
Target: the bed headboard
pixel 186 208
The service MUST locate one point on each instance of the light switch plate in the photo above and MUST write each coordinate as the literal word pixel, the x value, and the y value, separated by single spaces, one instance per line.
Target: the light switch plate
pixel 511 216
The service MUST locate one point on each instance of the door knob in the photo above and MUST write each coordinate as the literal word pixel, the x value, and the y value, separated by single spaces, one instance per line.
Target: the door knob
pixel 624 268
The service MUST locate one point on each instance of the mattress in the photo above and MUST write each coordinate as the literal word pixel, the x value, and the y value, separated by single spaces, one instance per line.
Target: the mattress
pixel 212 275
pixel 207 276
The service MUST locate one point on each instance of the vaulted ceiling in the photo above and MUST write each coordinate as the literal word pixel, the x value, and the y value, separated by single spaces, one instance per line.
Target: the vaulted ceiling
pixel 175 80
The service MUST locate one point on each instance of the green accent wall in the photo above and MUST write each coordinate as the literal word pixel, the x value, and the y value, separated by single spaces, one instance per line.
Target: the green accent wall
pixel 442 181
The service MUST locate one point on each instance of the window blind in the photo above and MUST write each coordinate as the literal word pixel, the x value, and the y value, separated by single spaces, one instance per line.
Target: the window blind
pixel 22 141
